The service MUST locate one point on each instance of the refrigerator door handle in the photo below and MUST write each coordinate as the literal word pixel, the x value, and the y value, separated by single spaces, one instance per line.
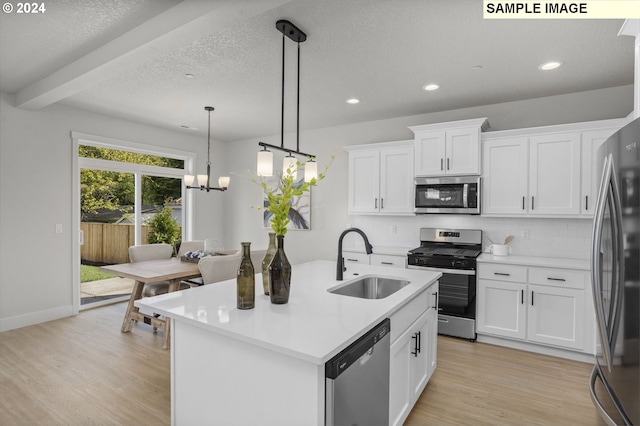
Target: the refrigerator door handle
pixel 596 262
pixel 618 257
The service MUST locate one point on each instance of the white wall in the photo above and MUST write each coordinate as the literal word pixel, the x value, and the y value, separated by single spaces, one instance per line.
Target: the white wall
pixel 566 238
pixel 35 194
pixel 36 176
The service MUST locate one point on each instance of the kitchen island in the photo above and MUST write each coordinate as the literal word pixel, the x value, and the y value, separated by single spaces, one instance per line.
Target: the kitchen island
pixel 266 365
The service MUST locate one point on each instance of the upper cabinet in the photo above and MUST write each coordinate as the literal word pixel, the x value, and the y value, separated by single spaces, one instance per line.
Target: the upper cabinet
pixel 381 178
pixel 545 172
pixel 451 148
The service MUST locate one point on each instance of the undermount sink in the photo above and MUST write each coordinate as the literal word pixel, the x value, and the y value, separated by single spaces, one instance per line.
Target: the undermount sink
pixel 370 287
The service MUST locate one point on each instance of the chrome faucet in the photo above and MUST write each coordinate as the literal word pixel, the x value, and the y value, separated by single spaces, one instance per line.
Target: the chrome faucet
pixel 340 266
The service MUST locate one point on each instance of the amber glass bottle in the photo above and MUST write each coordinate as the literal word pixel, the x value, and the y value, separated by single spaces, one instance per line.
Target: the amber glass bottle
pixel 246 280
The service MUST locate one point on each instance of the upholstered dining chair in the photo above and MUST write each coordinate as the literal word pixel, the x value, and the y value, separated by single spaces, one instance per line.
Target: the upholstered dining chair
pixel 221 268
pixel 153 252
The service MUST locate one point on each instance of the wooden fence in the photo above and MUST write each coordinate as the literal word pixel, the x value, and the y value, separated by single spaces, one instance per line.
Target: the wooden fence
pixel 108 243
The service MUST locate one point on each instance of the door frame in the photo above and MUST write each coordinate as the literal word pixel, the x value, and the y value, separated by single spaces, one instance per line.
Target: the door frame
pixel 78 163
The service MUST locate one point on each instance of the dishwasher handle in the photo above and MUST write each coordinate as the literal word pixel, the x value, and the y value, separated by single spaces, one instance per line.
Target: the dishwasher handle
pixel 364 346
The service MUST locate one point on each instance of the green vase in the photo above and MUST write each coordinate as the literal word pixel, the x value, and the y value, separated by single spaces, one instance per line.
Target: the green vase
pixel 279 275
pixel 268 256
pixel 246 280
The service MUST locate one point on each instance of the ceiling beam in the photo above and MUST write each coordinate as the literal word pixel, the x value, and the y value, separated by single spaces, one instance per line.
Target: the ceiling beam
pixel 182 24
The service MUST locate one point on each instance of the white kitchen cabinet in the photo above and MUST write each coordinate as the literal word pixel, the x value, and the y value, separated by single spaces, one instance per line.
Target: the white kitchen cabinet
pixel 413 354
pixel 381 178
pixel 591 170
pixel 534 304
pixel 556 316
pixel 448 148
pixel 554 174
pixel 501 308
pixel 389 260
pixel 532 175
pixel 543 172
pixel 505 176
pixel 353 257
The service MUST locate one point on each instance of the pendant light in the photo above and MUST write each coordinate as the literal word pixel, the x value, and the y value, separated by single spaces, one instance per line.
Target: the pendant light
pixel 205 180
pixel 265 157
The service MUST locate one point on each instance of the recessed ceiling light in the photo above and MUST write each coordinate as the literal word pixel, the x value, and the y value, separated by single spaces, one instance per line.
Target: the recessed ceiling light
pixel 476 67
pixel 550 65
pixel 353 101
pixel 189 76
pixel 430 87
pixel 187 127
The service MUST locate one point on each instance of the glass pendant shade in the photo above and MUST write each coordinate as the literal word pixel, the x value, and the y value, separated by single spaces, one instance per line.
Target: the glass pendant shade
pixel 265 163
pixel 188 179
pixel 289 167
pixel 310 171
pixel 223 181
pixel 203 180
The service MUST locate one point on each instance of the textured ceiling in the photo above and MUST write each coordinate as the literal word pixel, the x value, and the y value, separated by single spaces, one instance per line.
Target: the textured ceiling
pixel 129 58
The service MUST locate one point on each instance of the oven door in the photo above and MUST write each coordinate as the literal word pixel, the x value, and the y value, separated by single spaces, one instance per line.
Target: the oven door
pixel 447 195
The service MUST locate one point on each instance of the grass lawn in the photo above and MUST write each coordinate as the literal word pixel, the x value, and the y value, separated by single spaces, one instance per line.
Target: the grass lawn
pixel 92 273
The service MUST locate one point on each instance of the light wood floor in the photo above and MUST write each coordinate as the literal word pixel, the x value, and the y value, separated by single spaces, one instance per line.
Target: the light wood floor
pixel 83 371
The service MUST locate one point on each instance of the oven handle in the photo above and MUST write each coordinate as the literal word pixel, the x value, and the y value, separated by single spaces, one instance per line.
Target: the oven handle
pixel 443 270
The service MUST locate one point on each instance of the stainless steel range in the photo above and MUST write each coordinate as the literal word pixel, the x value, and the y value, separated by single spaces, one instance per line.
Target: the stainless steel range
pixel 452 252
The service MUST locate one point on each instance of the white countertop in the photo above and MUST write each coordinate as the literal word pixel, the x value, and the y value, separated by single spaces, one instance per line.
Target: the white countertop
pixel 549 262
pixel 314 326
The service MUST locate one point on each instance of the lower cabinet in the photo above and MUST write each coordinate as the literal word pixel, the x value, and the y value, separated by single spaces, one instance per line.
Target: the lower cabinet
pixel 413 360
pixel 534 304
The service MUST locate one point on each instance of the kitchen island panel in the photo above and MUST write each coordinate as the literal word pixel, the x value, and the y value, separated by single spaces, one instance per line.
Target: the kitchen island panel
pixel 217 379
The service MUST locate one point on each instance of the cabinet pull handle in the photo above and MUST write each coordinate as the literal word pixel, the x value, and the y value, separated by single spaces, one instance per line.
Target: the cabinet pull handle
pixel 376 204
pixel 522 202
pixel 382 203
pixel 522 297
pixel 502 273
pixel 532 298
pixel 419 341
pixel 436 295
pixel 352 260
pixel 416 351
pixel 555 279
pixel 533 204
pixel 386 263
pixel 586 202
pixel 442 164
pixel 447 164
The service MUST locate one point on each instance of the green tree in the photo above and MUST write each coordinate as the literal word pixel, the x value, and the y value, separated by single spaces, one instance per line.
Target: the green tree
pixel 164 228
pixel 115 190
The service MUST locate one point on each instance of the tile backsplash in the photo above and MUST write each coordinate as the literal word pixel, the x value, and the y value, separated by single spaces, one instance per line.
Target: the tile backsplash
pixel 566 238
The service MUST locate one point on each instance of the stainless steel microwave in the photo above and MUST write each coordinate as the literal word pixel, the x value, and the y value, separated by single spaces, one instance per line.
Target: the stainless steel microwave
pixel 460 195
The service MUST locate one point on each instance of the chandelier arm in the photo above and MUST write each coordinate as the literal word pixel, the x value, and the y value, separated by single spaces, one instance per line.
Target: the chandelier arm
pixel 290 151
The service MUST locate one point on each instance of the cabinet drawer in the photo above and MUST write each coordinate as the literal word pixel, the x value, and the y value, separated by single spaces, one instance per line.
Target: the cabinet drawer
pixel 355 257
pixel 557 277
pixel 493 271
pixel 389 260
pixel 408 313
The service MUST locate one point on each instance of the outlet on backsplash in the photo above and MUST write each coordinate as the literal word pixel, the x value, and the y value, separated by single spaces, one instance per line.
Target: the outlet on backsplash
pixel 524 234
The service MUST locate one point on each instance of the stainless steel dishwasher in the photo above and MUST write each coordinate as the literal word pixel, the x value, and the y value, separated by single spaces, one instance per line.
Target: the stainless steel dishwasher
pixel 357 381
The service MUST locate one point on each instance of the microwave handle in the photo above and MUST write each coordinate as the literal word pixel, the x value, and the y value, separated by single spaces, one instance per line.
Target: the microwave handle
pixel 465 195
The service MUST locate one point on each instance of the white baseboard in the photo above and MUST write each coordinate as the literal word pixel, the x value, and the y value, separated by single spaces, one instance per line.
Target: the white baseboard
pixel 540 349
pixel 38 317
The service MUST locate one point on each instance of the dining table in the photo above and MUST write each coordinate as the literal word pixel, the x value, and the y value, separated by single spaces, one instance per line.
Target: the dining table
pixel 173 270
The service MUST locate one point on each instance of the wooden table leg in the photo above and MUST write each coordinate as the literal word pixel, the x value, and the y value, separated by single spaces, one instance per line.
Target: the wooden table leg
pixel 174 285
pixel 136 294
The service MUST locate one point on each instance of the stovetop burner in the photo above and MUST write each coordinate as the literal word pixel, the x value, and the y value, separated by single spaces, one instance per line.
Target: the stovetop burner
pixel 446 251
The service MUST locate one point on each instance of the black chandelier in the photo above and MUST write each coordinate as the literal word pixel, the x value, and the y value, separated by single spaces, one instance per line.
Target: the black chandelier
pixel 204 180
pixel 265 157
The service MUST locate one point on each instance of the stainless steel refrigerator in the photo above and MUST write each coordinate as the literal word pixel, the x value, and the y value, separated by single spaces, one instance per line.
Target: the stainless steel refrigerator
pixel 615 270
